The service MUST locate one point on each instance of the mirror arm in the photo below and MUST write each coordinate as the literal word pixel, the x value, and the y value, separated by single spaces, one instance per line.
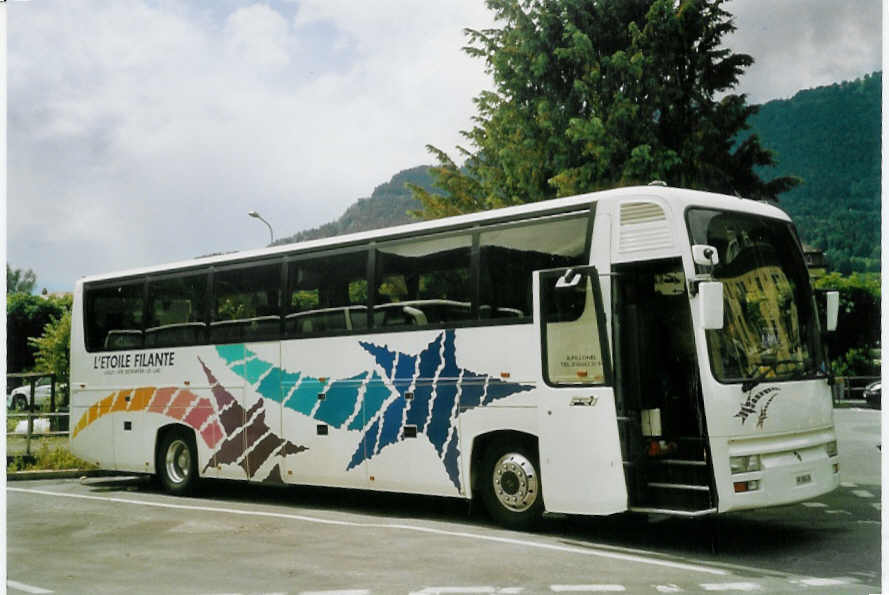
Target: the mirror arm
pixel 568 279
pixel 695 281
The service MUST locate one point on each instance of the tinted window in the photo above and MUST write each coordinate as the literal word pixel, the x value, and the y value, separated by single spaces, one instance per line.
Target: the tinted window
pixel 424 283
pixel 510 254
pixel 177 311
pixel 327 294
pixel 247 304
pixel 114 317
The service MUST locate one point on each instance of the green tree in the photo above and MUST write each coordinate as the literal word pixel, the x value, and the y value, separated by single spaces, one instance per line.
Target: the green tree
pixel 592 94
pixel 19 281
pixel 26 317
pixel 858 327
pixel 52 349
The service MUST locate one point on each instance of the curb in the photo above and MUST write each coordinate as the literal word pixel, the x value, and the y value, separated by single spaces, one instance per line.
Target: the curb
pixel 851 404
pixel 59 474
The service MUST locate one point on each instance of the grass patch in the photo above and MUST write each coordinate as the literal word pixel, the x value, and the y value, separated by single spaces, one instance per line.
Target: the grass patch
pixel 48 456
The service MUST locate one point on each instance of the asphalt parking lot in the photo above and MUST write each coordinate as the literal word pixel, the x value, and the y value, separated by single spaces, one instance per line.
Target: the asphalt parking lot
pixel 122 534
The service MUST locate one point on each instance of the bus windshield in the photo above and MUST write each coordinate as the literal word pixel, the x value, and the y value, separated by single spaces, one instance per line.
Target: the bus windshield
pixel 770 330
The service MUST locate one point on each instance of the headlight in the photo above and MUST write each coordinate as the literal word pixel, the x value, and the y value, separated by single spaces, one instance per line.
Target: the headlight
pixel 832 449
pixel 744 464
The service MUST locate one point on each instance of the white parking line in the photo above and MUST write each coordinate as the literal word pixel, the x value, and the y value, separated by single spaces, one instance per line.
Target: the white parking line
pixel 862 493
pixel 822 582
pixel 26 588
pixel 732 587
pixel 587 588
pixel 585 551
pixel 454 590
pixel 470 590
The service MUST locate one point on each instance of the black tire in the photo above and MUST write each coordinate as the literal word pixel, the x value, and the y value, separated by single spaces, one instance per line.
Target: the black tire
pixel 19 403
pixel 177 462
pixel 511 486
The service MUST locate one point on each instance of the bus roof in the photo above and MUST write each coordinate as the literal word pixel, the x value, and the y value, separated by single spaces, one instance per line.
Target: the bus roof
pixel 678 197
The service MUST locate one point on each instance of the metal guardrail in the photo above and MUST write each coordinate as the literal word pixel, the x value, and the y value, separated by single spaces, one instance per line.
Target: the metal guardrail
pixel 32 413
pixel 851 388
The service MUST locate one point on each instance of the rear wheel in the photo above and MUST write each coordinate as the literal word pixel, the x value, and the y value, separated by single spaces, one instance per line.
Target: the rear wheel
pixel 512 488
pixel 177 465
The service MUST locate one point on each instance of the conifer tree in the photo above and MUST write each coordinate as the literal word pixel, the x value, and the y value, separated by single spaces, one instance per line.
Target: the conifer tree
pixel 593 94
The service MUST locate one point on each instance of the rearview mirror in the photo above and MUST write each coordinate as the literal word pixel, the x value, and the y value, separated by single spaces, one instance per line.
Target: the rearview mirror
pixel 833 310
pixel 710 304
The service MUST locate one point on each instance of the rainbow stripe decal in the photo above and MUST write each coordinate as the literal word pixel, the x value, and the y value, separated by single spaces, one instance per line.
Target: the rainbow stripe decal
pixel 242 437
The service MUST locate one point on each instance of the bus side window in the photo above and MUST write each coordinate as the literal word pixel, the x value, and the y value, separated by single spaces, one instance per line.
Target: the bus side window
pixel 425 282
pixel 510 254
pixel 247 304
pixel 114 317
pixel 177 311
pixel 327 294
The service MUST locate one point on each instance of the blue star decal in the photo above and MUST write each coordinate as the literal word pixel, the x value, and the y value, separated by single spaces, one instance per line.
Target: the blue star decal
pixel 427 391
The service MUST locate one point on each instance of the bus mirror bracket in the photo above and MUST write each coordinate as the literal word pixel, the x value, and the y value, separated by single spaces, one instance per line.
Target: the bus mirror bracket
pixel 568 279
pixel 710 304
pixel 833 310
pixel 705 255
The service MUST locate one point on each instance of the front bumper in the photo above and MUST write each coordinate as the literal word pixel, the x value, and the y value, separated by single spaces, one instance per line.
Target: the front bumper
pixel 793 468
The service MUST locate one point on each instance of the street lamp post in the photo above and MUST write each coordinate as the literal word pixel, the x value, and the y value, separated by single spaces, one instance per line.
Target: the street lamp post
pixel 256 215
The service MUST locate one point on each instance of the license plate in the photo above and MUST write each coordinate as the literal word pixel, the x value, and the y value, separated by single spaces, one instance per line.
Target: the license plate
pixel 803 479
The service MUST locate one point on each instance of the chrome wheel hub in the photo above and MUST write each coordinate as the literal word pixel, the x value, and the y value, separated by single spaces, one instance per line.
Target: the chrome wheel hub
pixel 515 482
pixel 178 462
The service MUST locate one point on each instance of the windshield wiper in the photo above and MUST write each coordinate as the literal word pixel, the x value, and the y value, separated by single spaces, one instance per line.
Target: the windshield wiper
pixel 765 368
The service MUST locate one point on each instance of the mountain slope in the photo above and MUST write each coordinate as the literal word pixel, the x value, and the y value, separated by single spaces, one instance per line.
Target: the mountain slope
pixel 830 137
pixel 387 205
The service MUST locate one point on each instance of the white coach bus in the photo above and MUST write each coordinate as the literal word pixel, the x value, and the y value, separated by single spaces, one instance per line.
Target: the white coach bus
pixel 646 349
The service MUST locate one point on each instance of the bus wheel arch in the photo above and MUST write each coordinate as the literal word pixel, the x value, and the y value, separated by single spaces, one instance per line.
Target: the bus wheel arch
pixel 176 459
pixel 505 472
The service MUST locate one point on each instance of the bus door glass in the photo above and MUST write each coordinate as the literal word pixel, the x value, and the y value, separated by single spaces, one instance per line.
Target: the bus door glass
pixel 580 453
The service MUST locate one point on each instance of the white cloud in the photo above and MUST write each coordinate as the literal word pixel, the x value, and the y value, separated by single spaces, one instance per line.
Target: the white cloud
pixel 805 43
pixel 140 134
pixel 259 35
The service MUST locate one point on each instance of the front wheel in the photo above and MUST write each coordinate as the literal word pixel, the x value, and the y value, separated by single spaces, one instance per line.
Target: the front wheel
pixel 19 402
pixel 512 491
pixel 177 465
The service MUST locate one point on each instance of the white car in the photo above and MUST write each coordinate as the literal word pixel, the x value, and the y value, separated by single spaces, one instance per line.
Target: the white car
pixel 21 396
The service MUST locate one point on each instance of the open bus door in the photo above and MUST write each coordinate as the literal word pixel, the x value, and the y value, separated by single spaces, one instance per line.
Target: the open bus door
pixel 580 454
pixel 659 402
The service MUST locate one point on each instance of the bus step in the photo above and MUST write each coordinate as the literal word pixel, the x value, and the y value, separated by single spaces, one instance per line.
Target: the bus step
pixel 679 486
pixel 682 462
pixel 681 471
pixel 676 496
pixel 673 511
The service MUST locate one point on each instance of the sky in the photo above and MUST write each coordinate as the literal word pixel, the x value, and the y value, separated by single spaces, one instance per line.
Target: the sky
pixel 143 132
